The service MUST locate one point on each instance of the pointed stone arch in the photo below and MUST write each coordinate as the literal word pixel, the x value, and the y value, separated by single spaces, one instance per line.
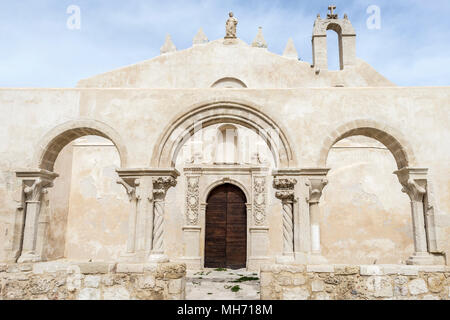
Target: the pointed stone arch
pixel 206 114
pixel 389 137
pixel 55 140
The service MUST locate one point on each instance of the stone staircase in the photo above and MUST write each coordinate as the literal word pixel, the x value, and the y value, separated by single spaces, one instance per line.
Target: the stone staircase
pixel 222 284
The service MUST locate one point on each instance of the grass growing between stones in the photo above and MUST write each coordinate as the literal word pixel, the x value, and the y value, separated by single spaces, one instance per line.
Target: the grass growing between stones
pixel 244 279
pixel 235 289
pixel 220 269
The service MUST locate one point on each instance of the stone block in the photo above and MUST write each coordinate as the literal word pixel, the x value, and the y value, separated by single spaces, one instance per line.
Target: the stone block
pixel 400 286
pixel 278 268
pixel 346 270
pixel 431 268
pixel 170 271
pixel 50 267
pixel 295 294
pixel 430 297
pixel 3 267
pixel 409 271
pixel 95 267
pixel 381 286
pixel 284 280
pixel 130 268
pixel 317 286
pixel 298 280
pixel 176 286
pixel 146 282
pixel 266 279
pixel 116 293
pixel 322 296
pixel 392 269
pixel 108 280
pixel 326 268
pixel 89 294
pixel 92 281
pixel 417 286
pixel 436 283
pixel 371 270
pixel 74 282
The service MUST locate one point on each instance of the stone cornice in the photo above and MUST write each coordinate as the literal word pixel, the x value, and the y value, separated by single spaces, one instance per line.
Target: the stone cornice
pixel 148 172
pixel 301 172
pixel 31 174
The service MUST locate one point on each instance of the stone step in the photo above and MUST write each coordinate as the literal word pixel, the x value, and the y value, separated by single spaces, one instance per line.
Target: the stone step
pixel 210 284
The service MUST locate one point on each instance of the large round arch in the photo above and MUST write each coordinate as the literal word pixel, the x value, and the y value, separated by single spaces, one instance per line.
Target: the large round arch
pixel 389 137
pixel 55 140
pixel 209 113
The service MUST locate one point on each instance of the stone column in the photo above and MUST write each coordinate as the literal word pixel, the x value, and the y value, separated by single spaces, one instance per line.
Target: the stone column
pixel 414 182
pixel 143 193
pixel 35 184
pixel 286 194
pixel 160 187
pixel 192 229
pixel 130 186
pixel 316 186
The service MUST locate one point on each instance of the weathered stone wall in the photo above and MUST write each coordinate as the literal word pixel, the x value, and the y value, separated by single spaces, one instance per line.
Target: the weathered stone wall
pixel 92 281
pixel 365 282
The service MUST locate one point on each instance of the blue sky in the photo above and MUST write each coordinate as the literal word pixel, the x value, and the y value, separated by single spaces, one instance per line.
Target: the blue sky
pixel 412 48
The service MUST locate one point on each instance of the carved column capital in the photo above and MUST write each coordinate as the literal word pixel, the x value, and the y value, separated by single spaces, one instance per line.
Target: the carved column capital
pixel 285 189
pixel 161 185
pixel 36 183
pixel 414 182
pixel 284 183
pixel 316 186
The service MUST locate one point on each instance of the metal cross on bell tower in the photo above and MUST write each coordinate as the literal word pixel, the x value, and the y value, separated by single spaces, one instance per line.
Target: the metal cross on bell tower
pixel 332 15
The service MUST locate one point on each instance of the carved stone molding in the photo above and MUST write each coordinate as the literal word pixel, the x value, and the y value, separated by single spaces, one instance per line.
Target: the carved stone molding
pixel 130 186
pixel 259 200
pixel 316 187
pixel 285 187
pixel 414 182
pixel 192 200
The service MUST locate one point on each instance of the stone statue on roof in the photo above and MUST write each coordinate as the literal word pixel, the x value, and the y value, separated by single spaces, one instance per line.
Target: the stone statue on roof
pixel 231 27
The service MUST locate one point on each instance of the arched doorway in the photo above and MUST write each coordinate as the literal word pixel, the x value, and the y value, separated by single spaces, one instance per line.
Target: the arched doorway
pixel 226 228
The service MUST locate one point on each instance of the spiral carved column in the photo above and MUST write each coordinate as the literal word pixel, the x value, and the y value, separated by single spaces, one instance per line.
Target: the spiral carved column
pixel 287 196
pixel 160 187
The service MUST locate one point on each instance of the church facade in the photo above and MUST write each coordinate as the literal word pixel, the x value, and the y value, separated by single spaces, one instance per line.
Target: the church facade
pixel 226 155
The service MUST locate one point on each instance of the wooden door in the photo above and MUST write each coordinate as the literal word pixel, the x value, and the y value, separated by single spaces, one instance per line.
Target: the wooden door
pixel 226 228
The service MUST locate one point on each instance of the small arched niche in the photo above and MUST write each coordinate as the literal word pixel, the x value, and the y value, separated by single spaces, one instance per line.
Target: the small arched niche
pixel 229 83
pixel 334 44
pixel 227 150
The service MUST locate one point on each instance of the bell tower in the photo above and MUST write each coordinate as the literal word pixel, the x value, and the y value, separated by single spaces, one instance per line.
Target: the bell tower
pixel 346 35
